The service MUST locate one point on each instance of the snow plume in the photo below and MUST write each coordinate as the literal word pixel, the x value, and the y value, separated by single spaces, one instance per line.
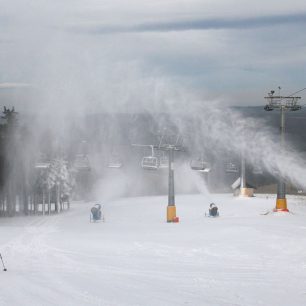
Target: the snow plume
pixel 63 79
pixel 74 75
pixel 207 127
pixel 192 181
pixel 212 129
pixel 110 187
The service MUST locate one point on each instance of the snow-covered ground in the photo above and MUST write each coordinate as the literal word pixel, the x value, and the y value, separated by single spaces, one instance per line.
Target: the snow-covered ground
pixel 136 258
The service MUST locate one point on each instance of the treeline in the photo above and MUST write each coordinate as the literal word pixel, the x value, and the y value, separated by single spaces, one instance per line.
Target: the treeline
pixel 27 185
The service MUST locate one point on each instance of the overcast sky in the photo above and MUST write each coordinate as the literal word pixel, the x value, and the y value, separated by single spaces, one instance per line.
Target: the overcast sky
pixel 137 53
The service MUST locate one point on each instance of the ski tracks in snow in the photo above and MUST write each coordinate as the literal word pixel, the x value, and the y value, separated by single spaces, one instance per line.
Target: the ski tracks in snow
pixel 31 260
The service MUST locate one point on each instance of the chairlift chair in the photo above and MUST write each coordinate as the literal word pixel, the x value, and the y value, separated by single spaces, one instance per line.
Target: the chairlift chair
pixel 149 163
pixel 114 162
pixel 82 162
pixel 41 165
pixel 231 168
pixel 199 165
pixel 163 161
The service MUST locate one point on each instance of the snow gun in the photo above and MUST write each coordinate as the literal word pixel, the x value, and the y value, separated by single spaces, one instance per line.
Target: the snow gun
pixel 96 213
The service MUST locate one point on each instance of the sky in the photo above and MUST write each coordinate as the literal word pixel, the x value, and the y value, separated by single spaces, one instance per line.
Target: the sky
pixel 133 55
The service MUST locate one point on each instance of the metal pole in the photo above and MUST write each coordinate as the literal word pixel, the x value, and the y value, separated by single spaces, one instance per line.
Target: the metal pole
pixel 281 186
pixel 244 190
pixel 49 201
pixel 43 202
pixel 274 102
pixel 171 197
pixel 171 209
pixel 243 182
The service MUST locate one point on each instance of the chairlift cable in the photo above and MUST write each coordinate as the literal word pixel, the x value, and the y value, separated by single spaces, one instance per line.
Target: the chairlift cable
pixel 294 93
pixel 297 92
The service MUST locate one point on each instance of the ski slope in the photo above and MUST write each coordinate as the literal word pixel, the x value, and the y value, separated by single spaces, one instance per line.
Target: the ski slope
pixel 136 258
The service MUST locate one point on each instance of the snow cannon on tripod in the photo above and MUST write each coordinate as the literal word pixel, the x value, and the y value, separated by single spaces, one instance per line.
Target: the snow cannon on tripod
pixel 213 211
pixel 96 213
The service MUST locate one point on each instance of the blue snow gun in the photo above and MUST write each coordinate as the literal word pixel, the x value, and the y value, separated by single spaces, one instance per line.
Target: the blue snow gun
pixel 95 213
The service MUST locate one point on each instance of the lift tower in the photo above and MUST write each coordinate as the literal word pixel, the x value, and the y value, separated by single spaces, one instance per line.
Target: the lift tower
pixel 283 103
pixel 151 162
pixel 171 208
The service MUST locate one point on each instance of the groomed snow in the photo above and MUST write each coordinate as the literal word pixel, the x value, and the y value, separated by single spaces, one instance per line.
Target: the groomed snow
pixel 136 258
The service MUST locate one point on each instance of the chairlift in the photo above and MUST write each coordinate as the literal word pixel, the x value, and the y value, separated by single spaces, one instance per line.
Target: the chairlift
pixel 42 165
pixel 149 163
pixel 82 162
pixel 231 168
pixel 199 165
pixel 114 162
pixel 163 161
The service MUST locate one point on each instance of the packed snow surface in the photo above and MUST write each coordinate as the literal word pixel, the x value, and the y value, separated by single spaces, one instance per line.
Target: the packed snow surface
pixel 135 258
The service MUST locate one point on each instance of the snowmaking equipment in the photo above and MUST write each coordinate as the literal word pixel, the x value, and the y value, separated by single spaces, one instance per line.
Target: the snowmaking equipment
pixel 213 211
pixel 96 213
pixel 282 103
